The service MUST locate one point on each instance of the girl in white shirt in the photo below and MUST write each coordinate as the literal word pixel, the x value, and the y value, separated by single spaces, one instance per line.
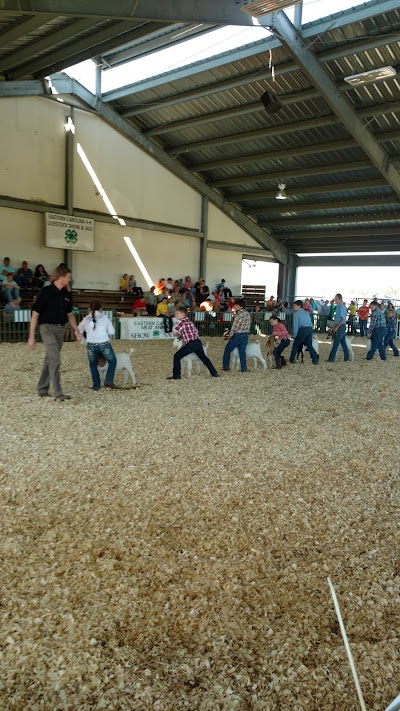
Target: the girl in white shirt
pixel 98 329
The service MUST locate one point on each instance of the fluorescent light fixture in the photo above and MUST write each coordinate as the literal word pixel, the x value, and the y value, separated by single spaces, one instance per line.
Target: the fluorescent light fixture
pixel 259 8
pixel 121 222
pixel 69 125
pixel 281 195
pixel 138 261
pixel 372 76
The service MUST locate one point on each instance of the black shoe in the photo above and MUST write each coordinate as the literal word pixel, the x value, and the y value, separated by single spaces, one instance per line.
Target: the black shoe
pixel 61 398
pixel 112 386
pixel 44 395
pixel 171 377
pixel 226 369
pixel 215 376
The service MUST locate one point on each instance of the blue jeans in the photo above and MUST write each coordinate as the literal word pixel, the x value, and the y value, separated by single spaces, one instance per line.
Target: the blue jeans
pixel 304 335
pixel 104 349
pixel 239 341
pixel 363 327
pixel 279 350
pixel 377 342
pixel 390 342
pixel 339 340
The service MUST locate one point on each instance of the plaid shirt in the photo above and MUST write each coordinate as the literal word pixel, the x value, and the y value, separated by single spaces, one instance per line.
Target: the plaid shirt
pixel 391 327
pixel 187 330
pixel 280 331
pixel 378 320
pixel 241 322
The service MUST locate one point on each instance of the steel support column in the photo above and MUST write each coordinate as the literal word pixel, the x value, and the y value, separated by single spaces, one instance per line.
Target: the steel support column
pixel 290 278
pixel 69 176
pixel 204 238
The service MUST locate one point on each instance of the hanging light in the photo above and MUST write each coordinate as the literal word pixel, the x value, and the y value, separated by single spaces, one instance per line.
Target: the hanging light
pixel 281 195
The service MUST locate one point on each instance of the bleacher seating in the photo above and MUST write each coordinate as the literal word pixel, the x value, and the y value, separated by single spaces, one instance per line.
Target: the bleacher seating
pixel 253 295
pixel 111 300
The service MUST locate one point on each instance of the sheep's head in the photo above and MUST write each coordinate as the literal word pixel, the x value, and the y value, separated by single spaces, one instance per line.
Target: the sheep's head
pixel 176 343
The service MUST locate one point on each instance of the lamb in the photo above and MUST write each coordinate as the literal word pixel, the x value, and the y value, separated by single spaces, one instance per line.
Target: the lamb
pixel 123 363
pixel 253 350
pixel 188 361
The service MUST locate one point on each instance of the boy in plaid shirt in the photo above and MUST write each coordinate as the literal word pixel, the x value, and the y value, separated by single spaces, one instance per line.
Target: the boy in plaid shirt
pixel 377 331
pixel 186 330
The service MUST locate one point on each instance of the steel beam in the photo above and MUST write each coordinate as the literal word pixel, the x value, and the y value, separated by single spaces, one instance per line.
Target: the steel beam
pixel 21 88
pixel 350 261
pixel 311 149
pixel 313 190
pixel 349 248
pixel 244 248
pixel 333 234
pixel 332 220
pixel 320 78
pixel 31 206
pixel 13 59
pixel 331 205
pixel 278 130
pixel 295 173
pixel 74 50
pixel 23 28
pixel 223 12
pixel 204 239
pixel 262 237
pixel 312 30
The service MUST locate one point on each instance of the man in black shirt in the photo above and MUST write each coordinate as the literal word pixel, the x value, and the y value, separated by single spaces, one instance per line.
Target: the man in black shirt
pixel 52 309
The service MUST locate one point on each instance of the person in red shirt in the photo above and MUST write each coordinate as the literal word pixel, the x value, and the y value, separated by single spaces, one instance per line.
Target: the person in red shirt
pixel 186 330
pixel 139 307
pixel 279 330
pixel 363 313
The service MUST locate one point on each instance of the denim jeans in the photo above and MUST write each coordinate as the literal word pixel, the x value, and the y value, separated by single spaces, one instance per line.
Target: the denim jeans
pixel 363 327
pixel 104 349
pixel 390 342
pixel 377 342
pixel 339 340
pixel 168 323
pixel 304 335
pixel 196 347
pixel 279 350
pixel 11 294
pixel 239 341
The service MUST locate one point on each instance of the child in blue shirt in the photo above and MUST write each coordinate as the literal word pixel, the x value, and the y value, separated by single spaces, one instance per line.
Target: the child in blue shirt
pixel 391 331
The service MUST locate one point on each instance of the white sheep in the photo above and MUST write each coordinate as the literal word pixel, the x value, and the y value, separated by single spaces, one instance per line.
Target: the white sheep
pixel 123 363
pixel 253 350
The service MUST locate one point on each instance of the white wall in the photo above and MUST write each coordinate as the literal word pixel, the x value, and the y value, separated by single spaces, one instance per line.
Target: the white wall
pixel 32 144
pixel 22 237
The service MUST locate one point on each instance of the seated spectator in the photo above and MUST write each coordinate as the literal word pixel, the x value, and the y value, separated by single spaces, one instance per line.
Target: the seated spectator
pixel 164 295
pixel 270 303
pixel 188 283
pixel 124 284
pixel 151 301
pixel 25 276
pixel 226 290
pixel 231 303
pixel 162 312
pixel 169 284
pixel 132 281
pixel 5 269
pixel 204 292
pixel 10 288
pixel 139 307
pixel 40 276
pixel 10 308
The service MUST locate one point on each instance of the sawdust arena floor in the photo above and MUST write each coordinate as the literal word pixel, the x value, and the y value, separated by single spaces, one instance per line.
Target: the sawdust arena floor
pixel 167 547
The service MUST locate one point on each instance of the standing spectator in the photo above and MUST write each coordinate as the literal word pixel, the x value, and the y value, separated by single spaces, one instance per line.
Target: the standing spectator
pixel 351 318
pixel 363 314
pixel 270 303
pixel 339 329
pixel 302 332
pixel 40 277
pixel 25 276
pixel 279 331
pixel 323 313
pixel 10 288
pixel 391 331
pixel 186 330
pixel 52 309
pixel 238 336
pixel 98 329
pixel 377 331
pixel 162 311
pixel 151 301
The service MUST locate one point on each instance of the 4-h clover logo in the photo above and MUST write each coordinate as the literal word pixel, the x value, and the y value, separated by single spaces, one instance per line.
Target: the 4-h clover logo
pixel 156 334
pixel 71 237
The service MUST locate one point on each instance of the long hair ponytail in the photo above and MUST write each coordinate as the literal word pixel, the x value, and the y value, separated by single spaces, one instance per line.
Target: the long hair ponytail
pixel 93 307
